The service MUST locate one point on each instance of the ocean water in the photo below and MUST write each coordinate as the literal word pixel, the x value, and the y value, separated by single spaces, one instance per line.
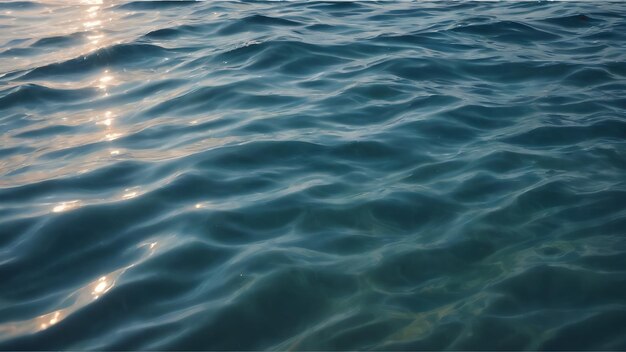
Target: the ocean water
pixel 305 175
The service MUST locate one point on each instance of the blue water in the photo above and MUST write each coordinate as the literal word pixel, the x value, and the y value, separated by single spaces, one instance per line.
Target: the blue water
pixel 312 175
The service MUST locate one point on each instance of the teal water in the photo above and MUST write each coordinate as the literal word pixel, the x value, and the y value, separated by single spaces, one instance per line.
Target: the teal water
pixel 182 175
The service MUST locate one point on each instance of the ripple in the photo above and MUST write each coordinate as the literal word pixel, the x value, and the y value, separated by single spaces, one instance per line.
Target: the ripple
pixel 19 96
pixel 137 54
pixel 508 31
pixel 574 21
pixel 189 175
pixel 156 5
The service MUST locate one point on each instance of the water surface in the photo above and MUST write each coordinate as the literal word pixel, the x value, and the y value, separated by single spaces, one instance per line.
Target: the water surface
pixel 312 175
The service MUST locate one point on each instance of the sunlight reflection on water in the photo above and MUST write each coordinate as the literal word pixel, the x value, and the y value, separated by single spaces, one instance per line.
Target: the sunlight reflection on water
pixel 77 299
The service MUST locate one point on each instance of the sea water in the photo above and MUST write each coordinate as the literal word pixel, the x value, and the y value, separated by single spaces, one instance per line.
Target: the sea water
pixel 302 175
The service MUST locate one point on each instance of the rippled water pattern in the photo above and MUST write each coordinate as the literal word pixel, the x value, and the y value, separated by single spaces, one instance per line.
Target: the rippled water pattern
pixel 312 175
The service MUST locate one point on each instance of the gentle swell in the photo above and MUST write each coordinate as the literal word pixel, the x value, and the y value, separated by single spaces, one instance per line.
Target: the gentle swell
pixel 199 175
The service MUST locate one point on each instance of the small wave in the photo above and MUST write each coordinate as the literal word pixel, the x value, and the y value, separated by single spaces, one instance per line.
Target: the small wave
pixel 31 95
pixel 569 135
pixel 156 5
pixel 574 21
pixel 177 31
pixel 60 41
pixel 116 55
pixel 508 31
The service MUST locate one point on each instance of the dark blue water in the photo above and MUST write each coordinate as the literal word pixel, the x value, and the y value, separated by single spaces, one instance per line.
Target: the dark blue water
pixel 312 175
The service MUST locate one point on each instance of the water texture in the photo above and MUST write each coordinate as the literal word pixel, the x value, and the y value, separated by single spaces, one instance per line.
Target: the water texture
pixel 312 175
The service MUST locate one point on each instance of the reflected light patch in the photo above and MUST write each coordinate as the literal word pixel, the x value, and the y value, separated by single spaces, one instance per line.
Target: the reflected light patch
pixel 150 245
pixel 91 24
pixel 129 194
pixel 101 287
pixel 204 205
pixel 54 318
pixel 108 119
pixel 65 206
pixel 95 39
pixel 112 136
pixel 104 81
pixel 80 298
pixel 107 122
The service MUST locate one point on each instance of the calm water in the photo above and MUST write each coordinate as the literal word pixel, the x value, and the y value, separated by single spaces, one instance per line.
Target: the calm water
pixel 312 175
